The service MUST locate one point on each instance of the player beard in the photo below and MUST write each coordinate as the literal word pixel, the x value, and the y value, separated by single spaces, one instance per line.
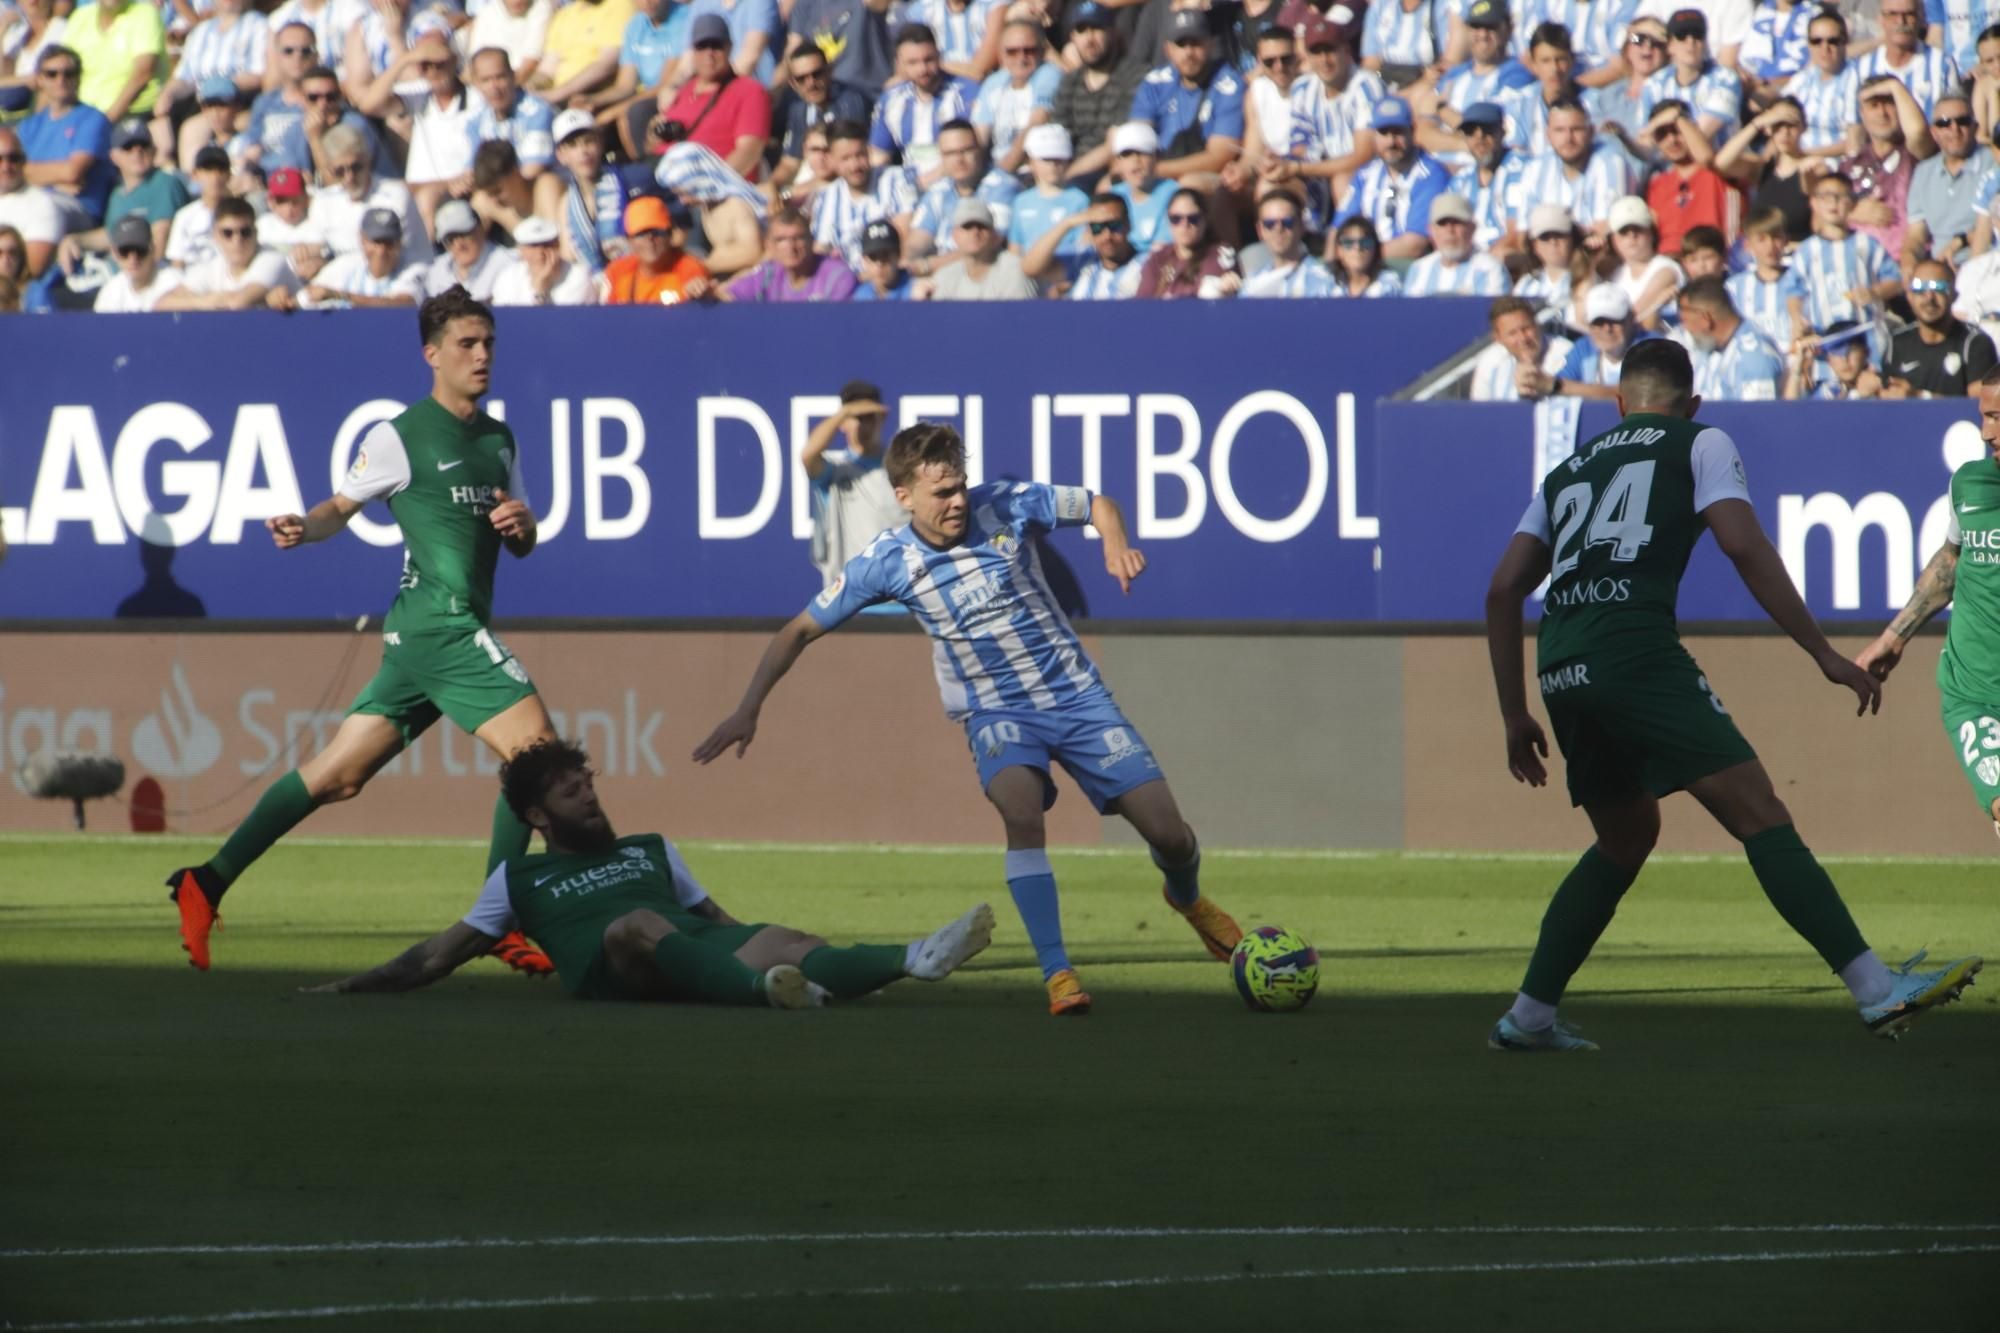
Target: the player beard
pixel 579 835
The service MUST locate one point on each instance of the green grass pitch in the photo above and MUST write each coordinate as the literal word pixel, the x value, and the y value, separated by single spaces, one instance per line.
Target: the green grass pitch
pixel 187 1150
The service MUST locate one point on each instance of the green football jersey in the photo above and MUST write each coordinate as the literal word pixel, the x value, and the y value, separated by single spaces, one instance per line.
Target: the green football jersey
pixel 439 476
pixel 1621 517
pixel 1970 664
pixel 564 902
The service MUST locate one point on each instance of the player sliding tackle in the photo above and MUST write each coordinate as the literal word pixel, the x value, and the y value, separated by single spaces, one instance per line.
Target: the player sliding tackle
pixel 1612 529
pixel 1011 670
pixel 624 919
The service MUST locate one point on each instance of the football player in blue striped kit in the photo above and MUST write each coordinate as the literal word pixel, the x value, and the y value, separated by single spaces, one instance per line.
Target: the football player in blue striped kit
pixel 1011 670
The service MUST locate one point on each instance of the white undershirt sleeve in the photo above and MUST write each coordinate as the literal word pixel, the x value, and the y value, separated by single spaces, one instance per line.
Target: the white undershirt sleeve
pixel 381 466
pixel 1536 521
pixel 516 488
pixel 1718 469
pixel 687 889
pixel 493 913
pixel 1953 534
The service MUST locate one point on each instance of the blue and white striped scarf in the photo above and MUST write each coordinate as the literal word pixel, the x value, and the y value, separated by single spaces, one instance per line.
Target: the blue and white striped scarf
pixel 692 170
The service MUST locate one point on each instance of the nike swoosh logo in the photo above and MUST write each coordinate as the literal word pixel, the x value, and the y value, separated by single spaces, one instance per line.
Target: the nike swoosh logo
pixel 543 880
pixel 446 467
pixel 1972 509
pixel 1906 365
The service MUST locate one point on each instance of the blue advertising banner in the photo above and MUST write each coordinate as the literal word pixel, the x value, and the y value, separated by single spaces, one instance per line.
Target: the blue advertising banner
pixel 139 456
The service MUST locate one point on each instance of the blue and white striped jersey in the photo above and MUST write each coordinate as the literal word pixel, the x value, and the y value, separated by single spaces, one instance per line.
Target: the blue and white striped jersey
pixel 906 118
pixel 1746 369
pixel 1465 85
pixel 1495 203
pixel 212 52
pixel 839 214
pixel 1775 46
pixel 934 210
pixel 1385 283
pixel 1549 292
pixel 1324 124
pixel 1307 277
pixel 1596 27
pixel 1494 370
pixel 528 126
pixel 1716 98
pixel 959 31
pixel 1475 275
pixel 588 235
pixel 1962 21
pixel 375 34
pixel 1823 272
pixel 1763 304
pixel 1832 103
pixel 1406 37
pixel 1396 202
pixel 1003 110
pixel 998 638
pixel 1094 282
pixel 1527 114
pixel 1605 179
pixel 1928 76
pixel 329 24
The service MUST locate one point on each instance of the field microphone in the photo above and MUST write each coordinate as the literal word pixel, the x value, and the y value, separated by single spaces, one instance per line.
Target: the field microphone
pixel 71 776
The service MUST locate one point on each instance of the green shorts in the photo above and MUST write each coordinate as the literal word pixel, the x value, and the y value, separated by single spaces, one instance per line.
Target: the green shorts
pixel 599 982
pixel 465 675
pixel 1634 725
pixel 1974 729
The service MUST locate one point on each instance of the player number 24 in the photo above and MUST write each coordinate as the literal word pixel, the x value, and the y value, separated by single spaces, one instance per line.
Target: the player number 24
pixel 1617 520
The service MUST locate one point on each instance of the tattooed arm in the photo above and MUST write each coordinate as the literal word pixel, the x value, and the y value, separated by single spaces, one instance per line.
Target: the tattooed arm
pixel 1931 595
pixel 419 965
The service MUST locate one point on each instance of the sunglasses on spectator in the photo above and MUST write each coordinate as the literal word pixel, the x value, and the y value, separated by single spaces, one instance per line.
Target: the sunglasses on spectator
pixel 1355 243
pixel 340 171
pixel 1184 219
pixel 1826 41
pixel 1938 285
pixel 810 76
pixel 133 252
pixel 62 72
pixel 234 233
pixel 711 46
pixel 323 97
pixel 295 50
pixel 1099 228
pixel 1953 123
pixel 1020 50
pixel 1277 62
pixel 1286 223
pixel 1645 40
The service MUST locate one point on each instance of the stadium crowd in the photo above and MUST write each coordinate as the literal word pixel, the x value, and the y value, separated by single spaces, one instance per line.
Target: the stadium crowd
pixel 1802 194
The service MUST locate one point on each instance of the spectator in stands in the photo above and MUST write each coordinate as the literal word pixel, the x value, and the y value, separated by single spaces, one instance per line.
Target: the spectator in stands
pixel 754 29
pixel 327 21
pixel 1829 89
pixel 13 260
pixel 794 271
pixel 1553 64
pixel 1619 108
pixel 275 134
pixel 232 43
pixel 354 189
pixel 857 195
pixel 1519 354
pixel 725 112
pixel 1926 71
pixel 28 28
pixel 326 106
pixel 188 237
pixel 651 51
pixel 518 27
pixel 239 275
pixel 1135 149
pixel 1492 183
pixel 1733 361
pixel 1648 277
pixel 1044 206
pixel 1489 71
pixel 434 113
pixel 1096 95
pixel 1592 367
pixel 141 279
pixel 469 258
pixel 1583 173
pixel 543 277
pixel 1357 262
pixel 506 114
pixel 966 176
pixel 1835 367
pixel 1983 75
pixel 1687 192
pixel 501 194
pixel 1193 103
pixel 883 277
pixel 1394 191
pixel 853 33
pixel 1267 101
pixel 817 100
pixel 1281 223
pixel 580 53
pixel 122 47
pixel 285 223
pixel 1939 356
pixel 1710 92
pixel 1777 176
pixel 1943 207
pixel 1704 253
pixel 1404 39
pixel 388 31
pixel 658 271
pixel 141 188
pixel 1559 262
pixel 1332 107
pixel 1978 299
pixel 26 209
pixel 1015 97
pixel 911 110
pixel 593 199
pixel 375 277
pixel 1112 271
pixel 852 499
pixel 1774 48
pixel 730 209
pixel 68 144
pixel 1191 263
pixel 1759 291
pixel 221 105
pixel 1453 267
pixel 987 270
pixel 1896 137
pixel 1838 274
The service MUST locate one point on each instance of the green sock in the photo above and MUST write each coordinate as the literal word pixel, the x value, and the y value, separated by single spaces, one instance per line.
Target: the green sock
pixel 1577 915
pixel 855 970
pixel 701 971
pixel 510 836
pixel 1803 894
pixel 277 812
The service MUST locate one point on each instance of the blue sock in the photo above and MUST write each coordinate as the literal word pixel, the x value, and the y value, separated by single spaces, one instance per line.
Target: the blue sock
pixel 1183 880
pixel 1033 885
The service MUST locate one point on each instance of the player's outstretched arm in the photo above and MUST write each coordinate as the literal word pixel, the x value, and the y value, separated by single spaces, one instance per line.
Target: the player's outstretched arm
pixel 419 965
pixel 740 727
pixel 325 519
pixel 1523 565
pixel 1120 556
pixel 1931 595
pixel 1742 539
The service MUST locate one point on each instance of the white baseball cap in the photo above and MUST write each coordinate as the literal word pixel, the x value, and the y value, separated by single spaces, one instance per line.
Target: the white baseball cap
pixel 1049 143
pixel 535 231
pixel 1607 300
pixel 572 122
pixel 1631 211
pixel 1546 218
pixel 1134 136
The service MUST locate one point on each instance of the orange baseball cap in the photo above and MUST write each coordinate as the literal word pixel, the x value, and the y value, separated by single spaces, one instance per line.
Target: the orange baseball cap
pixel 646 214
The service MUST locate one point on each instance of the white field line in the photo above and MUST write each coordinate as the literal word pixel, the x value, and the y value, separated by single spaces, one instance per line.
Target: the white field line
pixel 480 1305
pixel 449 1243
pixel 30 839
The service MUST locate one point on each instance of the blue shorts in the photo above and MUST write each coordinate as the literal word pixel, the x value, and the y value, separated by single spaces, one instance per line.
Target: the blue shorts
pixel 1093 742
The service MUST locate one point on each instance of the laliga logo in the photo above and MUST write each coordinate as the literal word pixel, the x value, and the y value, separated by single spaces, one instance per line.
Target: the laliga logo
pixel 178 741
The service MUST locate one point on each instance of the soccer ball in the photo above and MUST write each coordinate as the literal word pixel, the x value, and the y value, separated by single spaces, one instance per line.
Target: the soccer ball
pixel 1276 971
